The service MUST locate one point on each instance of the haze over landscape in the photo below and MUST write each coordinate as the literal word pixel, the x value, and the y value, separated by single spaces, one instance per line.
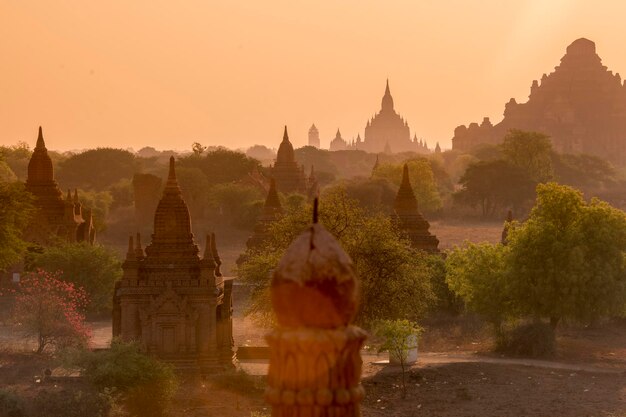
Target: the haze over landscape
pixel 233 73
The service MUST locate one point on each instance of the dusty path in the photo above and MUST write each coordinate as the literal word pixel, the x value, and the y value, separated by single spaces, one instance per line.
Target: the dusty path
pixel 374 363
pixel 433 358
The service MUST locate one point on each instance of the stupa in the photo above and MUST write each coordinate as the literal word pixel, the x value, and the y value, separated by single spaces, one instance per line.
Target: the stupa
pixel 289 176
pixel 581 106
pixel 56 218
pixel 177 305
pixel 410 220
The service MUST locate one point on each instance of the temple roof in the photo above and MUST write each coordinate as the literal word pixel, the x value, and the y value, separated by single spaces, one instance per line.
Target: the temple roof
pixel 285 150
pixel 172 224
pixel 40 168
pixel 387 103
pixel 405 199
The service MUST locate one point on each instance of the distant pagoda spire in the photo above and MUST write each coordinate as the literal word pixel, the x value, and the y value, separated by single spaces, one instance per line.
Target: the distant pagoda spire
pixel 410 220
pixel 40 168
pixel 387 102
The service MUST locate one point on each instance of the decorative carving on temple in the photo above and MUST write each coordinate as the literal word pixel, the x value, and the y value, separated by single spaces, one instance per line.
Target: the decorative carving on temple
pixel 410 220
pixel 315 361
pixel 289 176
pixel 55 218
pixel 581 106
pixel 176 304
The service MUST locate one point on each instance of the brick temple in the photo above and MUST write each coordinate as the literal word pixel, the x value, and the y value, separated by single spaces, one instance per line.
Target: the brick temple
pixel 176 304
pixel 56 218
pixel 410 220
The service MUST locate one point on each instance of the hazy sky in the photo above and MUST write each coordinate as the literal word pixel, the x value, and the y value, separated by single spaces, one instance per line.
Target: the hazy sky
pixel 131 73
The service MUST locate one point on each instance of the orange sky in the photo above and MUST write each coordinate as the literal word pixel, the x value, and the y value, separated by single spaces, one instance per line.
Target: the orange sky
pixel 165 74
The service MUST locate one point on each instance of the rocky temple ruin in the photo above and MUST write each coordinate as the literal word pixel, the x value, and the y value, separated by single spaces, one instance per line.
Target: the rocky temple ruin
pixel 581 106
pixel 56 218
pixel 176 304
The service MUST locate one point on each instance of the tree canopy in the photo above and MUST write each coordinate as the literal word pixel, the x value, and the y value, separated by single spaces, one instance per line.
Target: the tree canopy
pixel 395 281
pixel 16 210
pixel 96 169
pixel 565 262
pixel 94 268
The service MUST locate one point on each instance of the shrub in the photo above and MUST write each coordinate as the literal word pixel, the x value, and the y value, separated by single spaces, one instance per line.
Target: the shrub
pixel 10 404
pixel 535 340
pixel 147 384
pixel 73 403
pixel 238 381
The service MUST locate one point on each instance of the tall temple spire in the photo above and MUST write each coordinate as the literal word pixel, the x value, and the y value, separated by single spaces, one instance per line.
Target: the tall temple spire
pixel 410 219
pixel 40 168
pixel 285 154
pixel 387 104
pixel 172 182
pixel 285 135
pixel 40 142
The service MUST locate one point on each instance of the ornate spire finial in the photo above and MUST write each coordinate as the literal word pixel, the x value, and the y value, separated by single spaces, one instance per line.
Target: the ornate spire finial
pixel 285 135
pixel 69 195
pixel 76 196
pixel 172 183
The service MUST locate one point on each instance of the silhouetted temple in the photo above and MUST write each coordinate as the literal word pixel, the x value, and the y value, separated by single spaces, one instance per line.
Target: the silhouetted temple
pixel 177 305
pixel 338 143
pixel 314 137
pixel 55 218
pixel 581 106
pixel 272 210
pixel 410 220
pixel 387 129
pixel 289 176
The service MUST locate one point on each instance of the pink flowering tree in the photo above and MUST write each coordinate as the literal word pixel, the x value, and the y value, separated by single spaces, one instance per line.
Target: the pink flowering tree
pixel 51 310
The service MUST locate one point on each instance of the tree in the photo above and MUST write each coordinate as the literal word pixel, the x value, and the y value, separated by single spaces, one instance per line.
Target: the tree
pixel 100 203
pixel 239 204
pixel 16 210
pixel 476 273
pixel 422 179
pixel 531 152
pixel 93 268
pixel 97 169
pixel 147 384
pixel 220 165
pixel 17 158
pixel 51 310
pixel 494 186
pixel 395 281
pixel 583 171
pixel 398 337
pixel 261 153
pixel 565 262
pixel 567 259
